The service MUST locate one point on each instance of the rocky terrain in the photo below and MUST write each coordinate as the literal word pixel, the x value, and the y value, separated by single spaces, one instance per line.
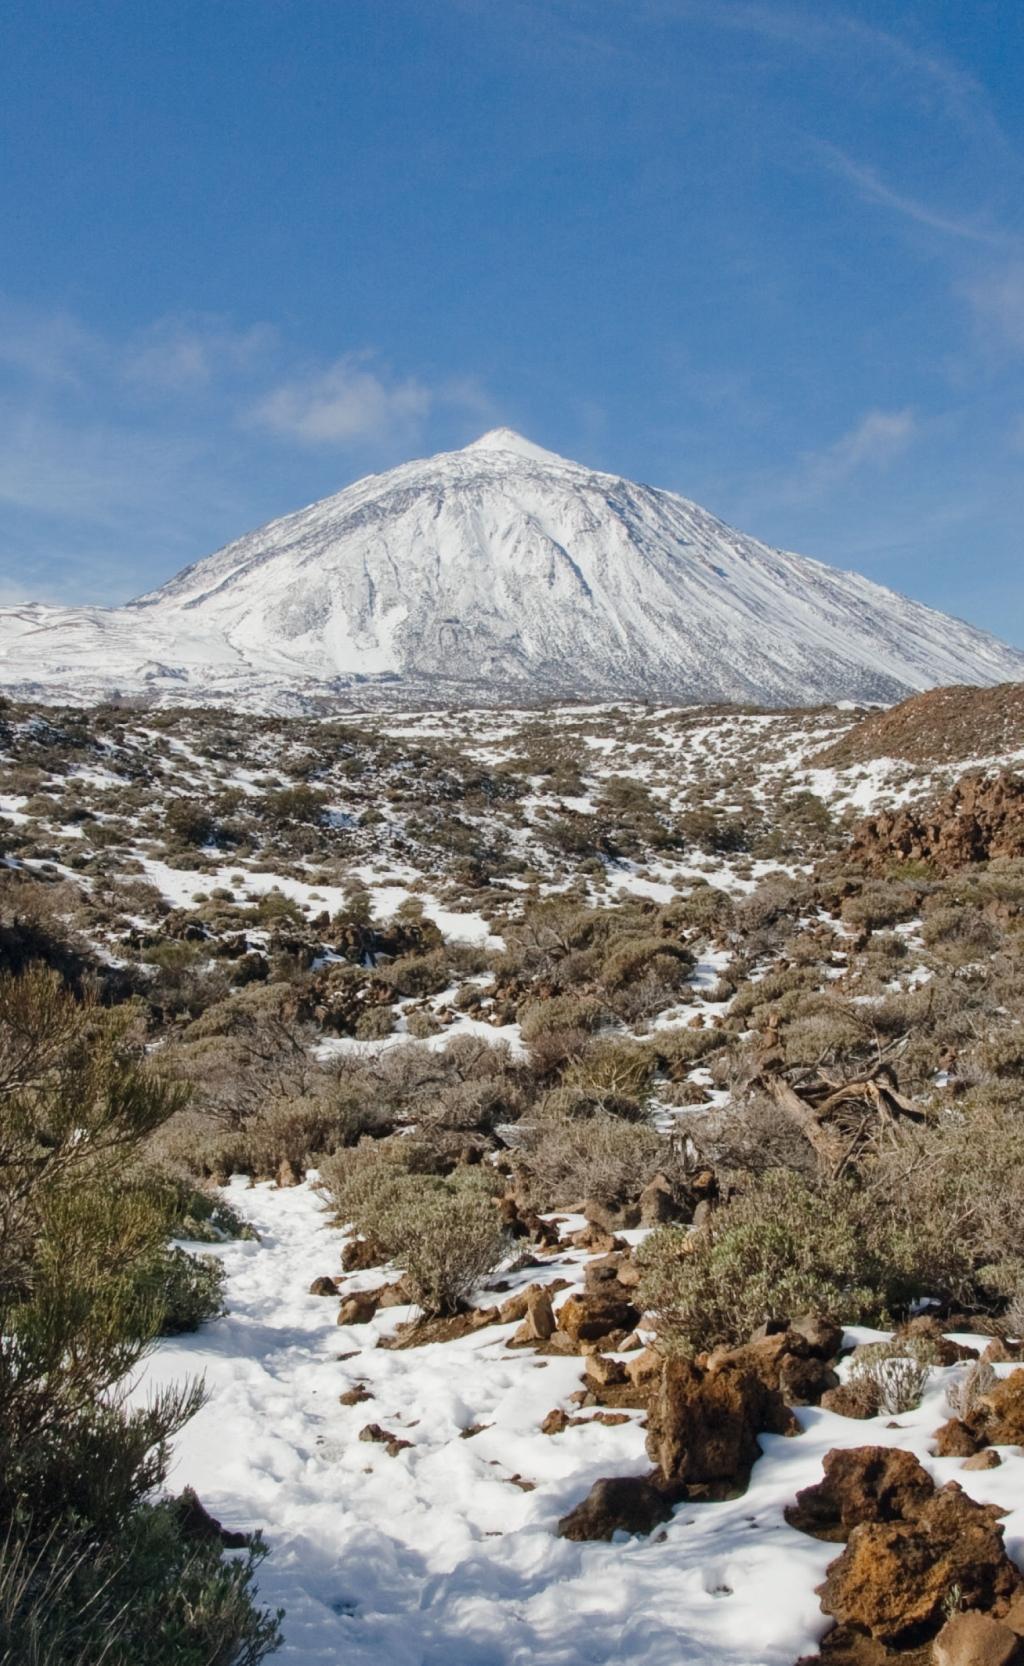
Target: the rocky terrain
pixel 603 1125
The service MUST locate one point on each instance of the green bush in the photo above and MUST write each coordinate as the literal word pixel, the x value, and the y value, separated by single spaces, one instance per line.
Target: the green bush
pixel 781 1248
pixel 189 1288
pixel 446 1235
pixel 150 1592
pixel 94 1567
pixel 418 974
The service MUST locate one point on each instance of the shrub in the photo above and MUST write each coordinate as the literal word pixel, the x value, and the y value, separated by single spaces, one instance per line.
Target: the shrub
pixel 203 1216
pixel 568 1159
pixel 978 1380
pixel 181 1602
pixel 895 1372
pixel 288 806
pixel 612 1068
pixel 561 1012
pixel 190 822
pixel 631 958
pixel 189 1288
pixel 955 1189
pixel 374 1023
pixel 418 974
pixel 881 903
pixel 86 1283
pixel 447 1235
pixel 782 1247
pixel 422 1024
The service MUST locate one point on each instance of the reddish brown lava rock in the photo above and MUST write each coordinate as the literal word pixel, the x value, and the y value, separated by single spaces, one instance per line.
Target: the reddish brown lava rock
pixel 894 1576
pixel 621 1503
pixel 862 1483
pixel 956 1439
pixel 323 1286
pixel 359 1308
pixel 703 1423
pixel 980 819
pixel 857 1399
pixel 588 1318
pixel 974 1639
pixel 1002 1411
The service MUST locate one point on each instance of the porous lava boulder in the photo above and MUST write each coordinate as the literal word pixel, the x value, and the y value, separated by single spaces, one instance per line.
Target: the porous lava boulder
pixel 1000 1414
pixel 802 1382
pixel 927 1329
pixel 361 1254
pixel 974 1639
pixel 660 1204
pixel 539 1319
pixel 612 1277
pixel 323 1286
pixel 617 1504
pixel 894 1577
pixel 859 1399
pixel 997 1420
pixel 862 1483
pixel 787 1360
pixel 359 1308
pixel 812 1335
pixel 588 1318
pixel 703 1422
pixel 956 1439
pixel 611 1217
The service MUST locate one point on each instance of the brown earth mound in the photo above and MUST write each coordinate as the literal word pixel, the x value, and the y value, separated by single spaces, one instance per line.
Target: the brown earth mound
pixel 982 817
pixel 944 726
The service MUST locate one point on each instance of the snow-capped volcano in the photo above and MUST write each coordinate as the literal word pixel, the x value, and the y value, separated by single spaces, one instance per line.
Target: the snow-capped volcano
pixel 501 572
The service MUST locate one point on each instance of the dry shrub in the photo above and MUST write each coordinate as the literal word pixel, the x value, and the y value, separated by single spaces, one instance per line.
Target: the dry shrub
pixel 894 1372
pixel 962 1397
pixel 447 1235
pixel 560 1014
pixel 882 902
pixel 786 1245
pixel 565 1159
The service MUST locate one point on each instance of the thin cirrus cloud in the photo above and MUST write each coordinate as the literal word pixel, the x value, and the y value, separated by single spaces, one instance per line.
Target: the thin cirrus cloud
pixel 873 442
pixel 874 189
pixel 998 301
pixel 925 74
pixel 179 355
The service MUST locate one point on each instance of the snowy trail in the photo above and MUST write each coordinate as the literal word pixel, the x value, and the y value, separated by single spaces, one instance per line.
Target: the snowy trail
pixel 437 1557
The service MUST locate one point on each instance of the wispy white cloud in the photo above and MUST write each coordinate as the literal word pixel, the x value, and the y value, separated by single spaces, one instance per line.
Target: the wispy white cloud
pixel 348 401
pixel 176 355
pixel 873 442
pixel 123 455
pixel 46 347
pixel 997 297
pixel 353 401
pixel 874 189
pixel 935 80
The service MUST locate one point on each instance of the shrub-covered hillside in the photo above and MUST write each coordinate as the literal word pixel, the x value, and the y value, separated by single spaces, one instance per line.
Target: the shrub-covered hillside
pixel 639 1093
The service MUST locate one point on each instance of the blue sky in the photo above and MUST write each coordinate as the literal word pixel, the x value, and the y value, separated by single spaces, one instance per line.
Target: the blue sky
pixel 770 255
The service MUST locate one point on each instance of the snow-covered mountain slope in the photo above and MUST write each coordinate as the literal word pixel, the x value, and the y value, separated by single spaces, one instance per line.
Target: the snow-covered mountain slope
pixel 500 572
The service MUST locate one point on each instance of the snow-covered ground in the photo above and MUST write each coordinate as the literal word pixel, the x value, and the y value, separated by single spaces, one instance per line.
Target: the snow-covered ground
pixel 439 1556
